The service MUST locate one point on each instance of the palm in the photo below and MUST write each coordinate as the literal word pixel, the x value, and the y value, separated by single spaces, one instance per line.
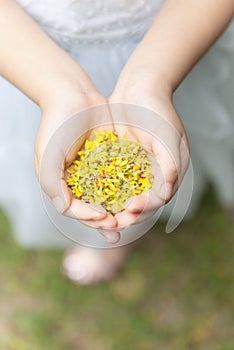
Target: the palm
pixel 165 141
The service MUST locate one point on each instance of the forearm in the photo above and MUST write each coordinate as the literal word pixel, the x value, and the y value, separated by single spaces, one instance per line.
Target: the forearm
pixel 31 61
pixel 181 33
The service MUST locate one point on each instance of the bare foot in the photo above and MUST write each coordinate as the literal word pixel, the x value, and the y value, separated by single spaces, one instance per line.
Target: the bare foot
pixel 89 266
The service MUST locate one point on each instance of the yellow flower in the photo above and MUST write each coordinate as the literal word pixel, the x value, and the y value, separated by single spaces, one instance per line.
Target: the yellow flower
pixel 109 170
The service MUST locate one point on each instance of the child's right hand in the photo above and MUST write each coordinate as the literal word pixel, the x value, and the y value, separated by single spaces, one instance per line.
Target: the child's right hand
pixel 55 151
pixel 54 81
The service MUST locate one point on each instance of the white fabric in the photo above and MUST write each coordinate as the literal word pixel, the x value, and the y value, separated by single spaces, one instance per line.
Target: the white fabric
pixel 100 22
pixel 101 35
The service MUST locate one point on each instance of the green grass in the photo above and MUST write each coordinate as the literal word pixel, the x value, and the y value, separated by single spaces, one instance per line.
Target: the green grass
pixel 175 292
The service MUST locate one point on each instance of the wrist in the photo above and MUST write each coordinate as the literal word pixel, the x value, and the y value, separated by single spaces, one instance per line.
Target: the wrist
pixel 140 80
pixel 69 93
pixel 61 86
pixel 65 104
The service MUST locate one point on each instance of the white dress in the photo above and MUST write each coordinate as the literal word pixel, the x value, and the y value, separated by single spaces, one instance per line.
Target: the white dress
pixel 100 35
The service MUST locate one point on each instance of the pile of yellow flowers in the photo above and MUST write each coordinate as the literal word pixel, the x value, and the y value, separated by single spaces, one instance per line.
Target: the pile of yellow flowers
pixel 109 170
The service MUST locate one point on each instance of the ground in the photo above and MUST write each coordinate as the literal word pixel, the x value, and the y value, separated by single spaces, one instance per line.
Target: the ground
pixel 175 292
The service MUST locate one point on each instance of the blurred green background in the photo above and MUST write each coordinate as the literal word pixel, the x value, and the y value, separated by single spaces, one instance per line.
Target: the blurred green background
pixel 174 292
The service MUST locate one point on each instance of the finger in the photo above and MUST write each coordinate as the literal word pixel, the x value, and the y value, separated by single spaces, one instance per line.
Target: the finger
pixel 49 162
pixel 82 211
pixel 112 236
pixel 139 209
pixel 126 219
pixel 184 161
pixel 184 155
pixel 108 223
pixel 170 166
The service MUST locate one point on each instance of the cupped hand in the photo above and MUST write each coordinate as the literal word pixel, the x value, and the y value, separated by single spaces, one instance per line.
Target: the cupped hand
pixel 137 107
pixel 145 110
pixel 66 123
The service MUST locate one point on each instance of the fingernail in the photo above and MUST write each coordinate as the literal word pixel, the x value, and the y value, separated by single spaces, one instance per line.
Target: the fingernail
pixel 59 204
pixel 113 237
pixel 166 191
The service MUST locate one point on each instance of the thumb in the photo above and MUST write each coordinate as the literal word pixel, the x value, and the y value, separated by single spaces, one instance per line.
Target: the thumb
pixel 49 166
pixel 168 160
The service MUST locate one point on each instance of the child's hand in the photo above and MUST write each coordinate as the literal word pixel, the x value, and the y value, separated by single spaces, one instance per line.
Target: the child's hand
pixel 159 130
pixel 56 147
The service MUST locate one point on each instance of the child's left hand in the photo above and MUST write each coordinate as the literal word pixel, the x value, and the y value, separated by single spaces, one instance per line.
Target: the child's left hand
pixel 149 115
